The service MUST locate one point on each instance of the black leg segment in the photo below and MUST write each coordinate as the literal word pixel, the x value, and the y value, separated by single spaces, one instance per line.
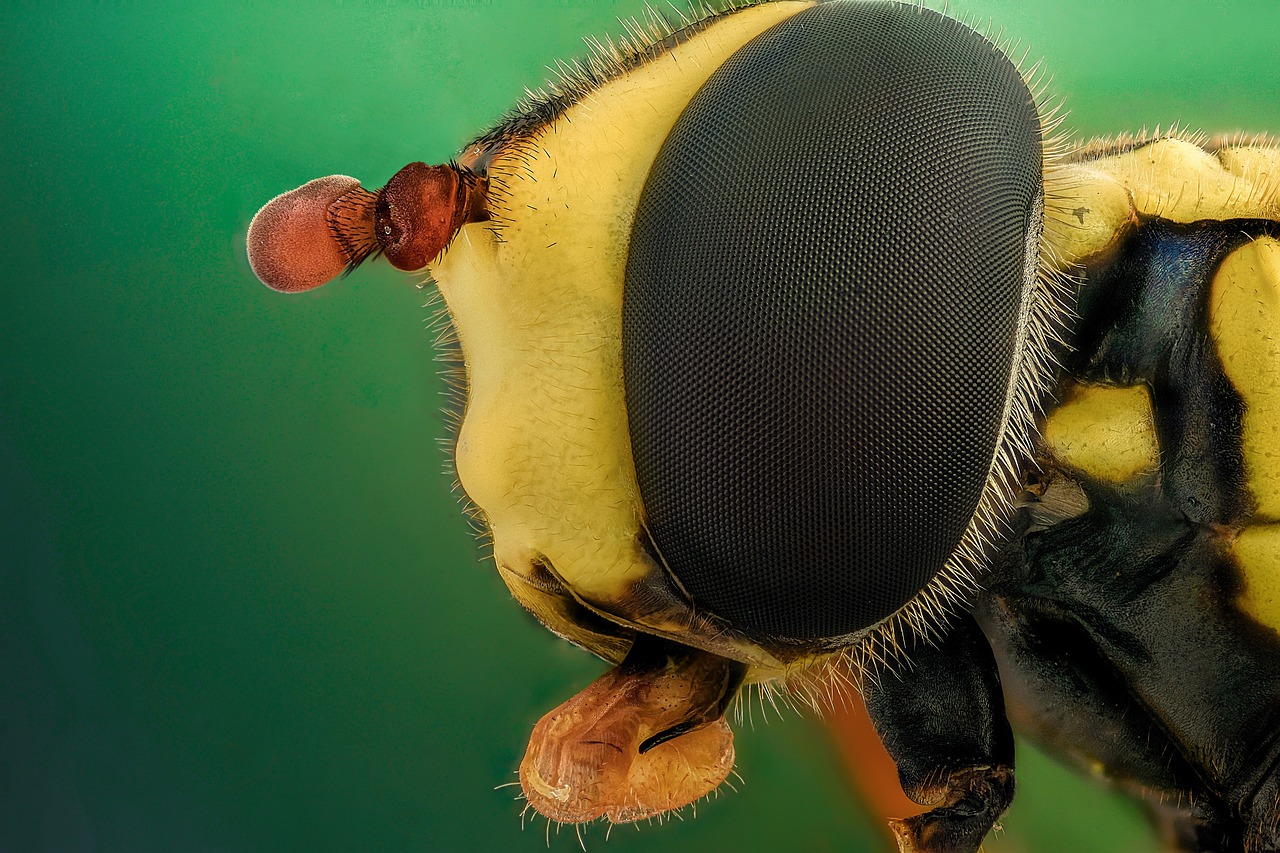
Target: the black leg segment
pixel 943 721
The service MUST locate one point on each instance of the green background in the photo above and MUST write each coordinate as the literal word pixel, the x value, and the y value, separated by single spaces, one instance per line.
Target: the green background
pixel 239 609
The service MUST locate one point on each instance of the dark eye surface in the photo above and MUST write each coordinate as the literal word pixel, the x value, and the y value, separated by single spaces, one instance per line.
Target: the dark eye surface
pixel 821 313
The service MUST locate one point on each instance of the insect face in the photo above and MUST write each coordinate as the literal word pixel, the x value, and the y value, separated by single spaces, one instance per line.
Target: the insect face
pixel 742 376
pixel 757 315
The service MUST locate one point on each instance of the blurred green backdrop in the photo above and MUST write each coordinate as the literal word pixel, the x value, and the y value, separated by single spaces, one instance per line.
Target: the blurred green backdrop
pixel 239 609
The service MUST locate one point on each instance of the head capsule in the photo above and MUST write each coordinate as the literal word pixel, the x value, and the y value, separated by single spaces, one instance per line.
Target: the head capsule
pixel 746 332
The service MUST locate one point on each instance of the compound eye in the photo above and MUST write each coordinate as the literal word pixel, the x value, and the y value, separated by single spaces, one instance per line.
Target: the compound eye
pixel 822 309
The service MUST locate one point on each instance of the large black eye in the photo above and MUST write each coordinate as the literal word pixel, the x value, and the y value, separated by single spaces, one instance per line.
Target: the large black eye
pixel 822 307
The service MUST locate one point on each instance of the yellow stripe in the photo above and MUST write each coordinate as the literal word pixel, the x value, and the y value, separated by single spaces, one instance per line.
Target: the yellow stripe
pixel 1106 432
pixel 1257 552
pixel 1091 204
pixel 1244 319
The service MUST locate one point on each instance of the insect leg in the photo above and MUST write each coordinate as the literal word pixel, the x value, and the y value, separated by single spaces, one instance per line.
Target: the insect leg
pixel 1060 691
pixel 1153 595
pixel 943 722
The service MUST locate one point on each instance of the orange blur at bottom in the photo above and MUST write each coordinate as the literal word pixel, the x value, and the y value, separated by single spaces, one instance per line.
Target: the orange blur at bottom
pixel 868 765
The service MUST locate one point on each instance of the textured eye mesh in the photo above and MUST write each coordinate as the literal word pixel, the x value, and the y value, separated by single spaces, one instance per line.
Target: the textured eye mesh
pixel 820 313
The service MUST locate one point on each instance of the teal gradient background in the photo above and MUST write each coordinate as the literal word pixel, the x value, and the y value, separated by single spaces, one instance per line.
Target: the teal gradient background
pixel 239 608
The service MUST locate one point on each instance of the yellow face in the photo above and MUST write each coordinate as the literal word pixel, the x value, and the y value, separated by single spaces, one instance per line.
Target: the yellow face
pixel 544 452
pixel 536 298
pixel 528 239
